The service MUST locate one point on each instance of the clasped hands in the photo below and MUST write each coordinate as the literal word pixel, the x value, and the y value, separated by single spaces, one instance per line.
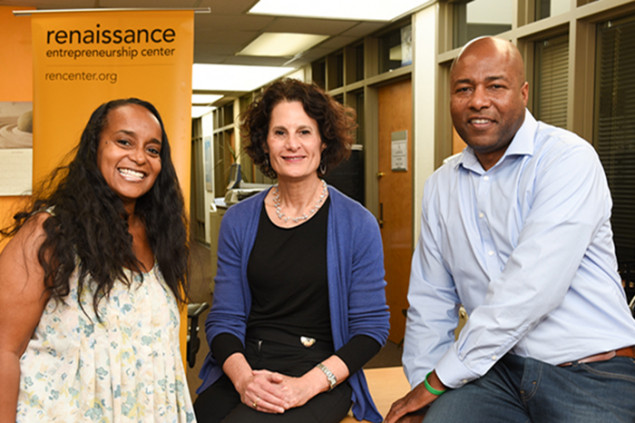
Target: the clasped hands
pixel 272 392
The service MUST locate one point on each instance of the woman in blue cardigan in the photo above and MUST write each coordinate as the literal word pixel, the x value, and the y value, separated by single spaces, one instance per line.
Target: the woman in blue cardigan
pixel 299 303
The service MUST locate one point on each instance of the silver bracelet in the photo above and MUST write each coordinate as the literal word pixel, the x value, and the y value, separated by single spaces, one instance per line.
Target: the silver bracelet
pixel 329 375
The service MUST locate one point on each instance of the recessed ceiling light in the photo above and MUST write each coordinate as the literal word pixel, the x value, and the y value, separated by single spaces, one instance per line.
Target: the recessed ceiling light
pixel 223 78
pixel 281 44
pixel 363 10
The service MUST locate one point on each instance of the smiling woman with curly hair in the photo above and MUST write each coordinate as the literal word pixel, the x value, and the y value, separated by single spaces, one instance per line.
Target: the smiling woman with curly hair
pixel 299 304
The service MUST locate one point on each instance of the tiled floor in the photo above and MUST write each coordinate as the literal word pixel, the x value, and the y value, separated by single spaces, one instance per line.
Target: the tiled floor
pixel 200 279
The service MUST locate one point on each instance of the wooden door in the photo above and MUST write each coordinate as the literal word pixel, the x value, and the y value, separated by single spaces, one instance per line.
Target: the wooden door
pixel 395 196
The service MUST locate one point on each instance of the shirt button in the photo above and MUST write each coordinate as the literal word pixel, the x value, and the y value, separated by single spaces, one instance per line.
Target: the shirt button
pixel 481 215
pixel 494 357
pixel 486 178
pixel 490 253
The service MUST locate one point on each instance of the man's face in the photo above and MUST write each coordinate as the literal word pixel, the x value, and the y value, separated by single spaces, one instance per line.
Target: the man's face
pixel 488 98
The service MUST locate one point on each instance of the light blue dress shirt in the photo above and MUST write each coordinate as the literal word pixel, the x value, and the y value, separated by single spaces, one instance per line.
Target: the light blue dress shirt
pixel 527 248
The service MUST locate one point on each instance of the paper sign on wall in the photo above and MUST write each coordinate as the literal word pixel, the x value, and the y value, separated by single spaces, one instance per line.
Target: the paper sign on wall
pixel 399 151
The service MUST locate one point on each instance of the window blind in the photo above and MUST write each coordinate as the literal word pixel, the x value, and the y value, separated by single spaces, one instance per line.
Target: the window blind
pixel 615 127
pixel 550 86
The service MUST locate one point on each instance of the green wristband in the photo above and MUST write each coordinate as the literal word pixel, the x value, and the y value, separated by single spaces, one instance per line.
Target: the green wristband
pixel 430 388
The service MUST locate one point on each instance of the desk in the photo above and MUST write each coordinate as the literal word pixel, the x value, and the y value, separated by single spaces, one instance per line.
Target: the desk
pixel 386 384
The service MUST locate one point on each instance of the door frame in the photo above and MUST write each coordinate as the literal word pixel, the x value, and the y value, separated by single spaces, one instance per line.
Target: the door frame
pixel 371 145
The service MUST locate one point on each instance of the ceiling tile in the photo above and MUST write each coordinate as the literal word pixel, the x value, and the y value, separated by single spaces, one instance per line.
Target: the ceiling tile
pixel 363 29
pixel 310 26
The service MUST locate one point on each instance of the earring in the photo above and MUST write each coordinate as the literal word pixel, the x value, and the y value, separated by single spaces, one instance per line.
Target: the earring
pixel 322 168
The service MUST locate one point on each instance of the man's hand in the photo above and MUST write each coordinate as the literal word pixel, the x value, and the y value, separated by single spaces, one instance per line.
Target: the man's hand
pixel 415 400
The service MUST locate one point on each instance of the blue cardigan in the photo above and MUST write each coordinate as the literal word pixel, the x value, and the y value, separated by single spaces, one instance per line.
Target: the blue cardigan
pixel 355 269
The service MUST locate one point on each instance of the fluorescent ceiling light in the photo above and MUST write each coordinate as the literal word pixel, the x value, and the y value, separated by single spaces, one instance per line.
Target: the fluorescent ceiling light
pixel 224 78
pixel 363 10
pixel 281 44
pixel 205 98
pixel 198 111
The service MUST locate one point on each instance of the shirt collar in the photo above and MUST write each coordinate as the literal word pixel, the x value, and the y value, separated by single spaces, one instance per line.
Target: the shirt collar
pixel 522 144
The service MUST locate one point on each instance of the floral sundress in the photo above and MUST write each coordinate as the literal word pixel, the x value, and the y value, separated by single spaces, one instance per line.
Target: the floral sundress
pixel 125 368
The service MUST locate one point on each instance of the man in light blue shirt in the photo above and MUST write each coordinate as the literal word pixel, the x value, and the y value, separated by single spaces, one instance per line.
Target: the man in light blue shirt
pixel 517 230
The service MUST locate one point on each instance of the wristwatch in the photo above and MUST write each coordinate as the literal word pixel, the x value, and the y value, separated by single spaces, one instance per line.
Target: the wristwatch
pixel 329 375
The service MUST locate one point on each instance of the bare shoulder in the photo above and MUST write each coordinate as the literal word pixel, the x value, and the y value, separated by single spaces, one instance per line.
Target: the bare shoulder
pixel 28 238
pixel 22 291
pixel 20 270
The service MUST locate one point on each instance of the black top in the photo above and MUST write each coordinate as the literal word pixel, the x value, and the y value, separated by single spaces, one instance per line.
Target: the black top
pixel 287 277
pixel 287 274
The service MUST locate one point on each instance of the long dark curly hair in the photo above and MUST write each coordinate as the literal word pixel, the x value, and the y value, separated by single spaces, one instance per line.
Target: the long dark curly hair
pixel 88 227
pixel 335 122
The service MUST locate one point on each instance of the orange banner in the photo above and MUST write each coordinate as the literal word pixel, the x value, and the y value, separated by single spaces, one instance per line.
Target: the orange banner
pixel 83 59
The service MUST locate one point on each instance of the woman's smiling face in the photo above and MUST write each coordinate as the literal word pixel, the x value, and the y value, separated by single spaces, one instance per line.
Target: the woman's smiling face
pixel 293 142
pixel 128 154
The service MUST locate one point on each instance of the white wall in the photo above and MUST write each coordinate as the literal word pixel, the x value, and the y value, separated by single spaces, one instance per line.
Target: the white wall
pixel 424 107
pixel 490 12
pixel 207 123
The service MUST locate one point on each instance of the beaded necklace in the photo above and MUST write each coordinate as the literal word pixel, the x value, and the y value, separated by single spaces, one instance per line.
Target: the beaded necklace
pixel 285 218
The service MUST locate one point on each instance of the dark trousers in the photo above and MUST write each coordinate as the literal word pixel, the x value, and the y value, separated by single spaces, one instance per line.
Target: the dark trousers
pixel 221 403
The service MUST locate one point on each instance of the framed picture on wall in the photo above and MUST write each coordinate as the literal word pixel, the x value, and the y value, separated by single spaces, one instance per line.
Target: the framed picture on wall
pixel 16 148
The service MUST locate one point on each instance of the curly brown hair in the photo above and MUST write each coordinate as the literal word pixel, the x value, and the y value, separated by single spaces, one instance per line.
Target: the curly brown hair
pixel 335 121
